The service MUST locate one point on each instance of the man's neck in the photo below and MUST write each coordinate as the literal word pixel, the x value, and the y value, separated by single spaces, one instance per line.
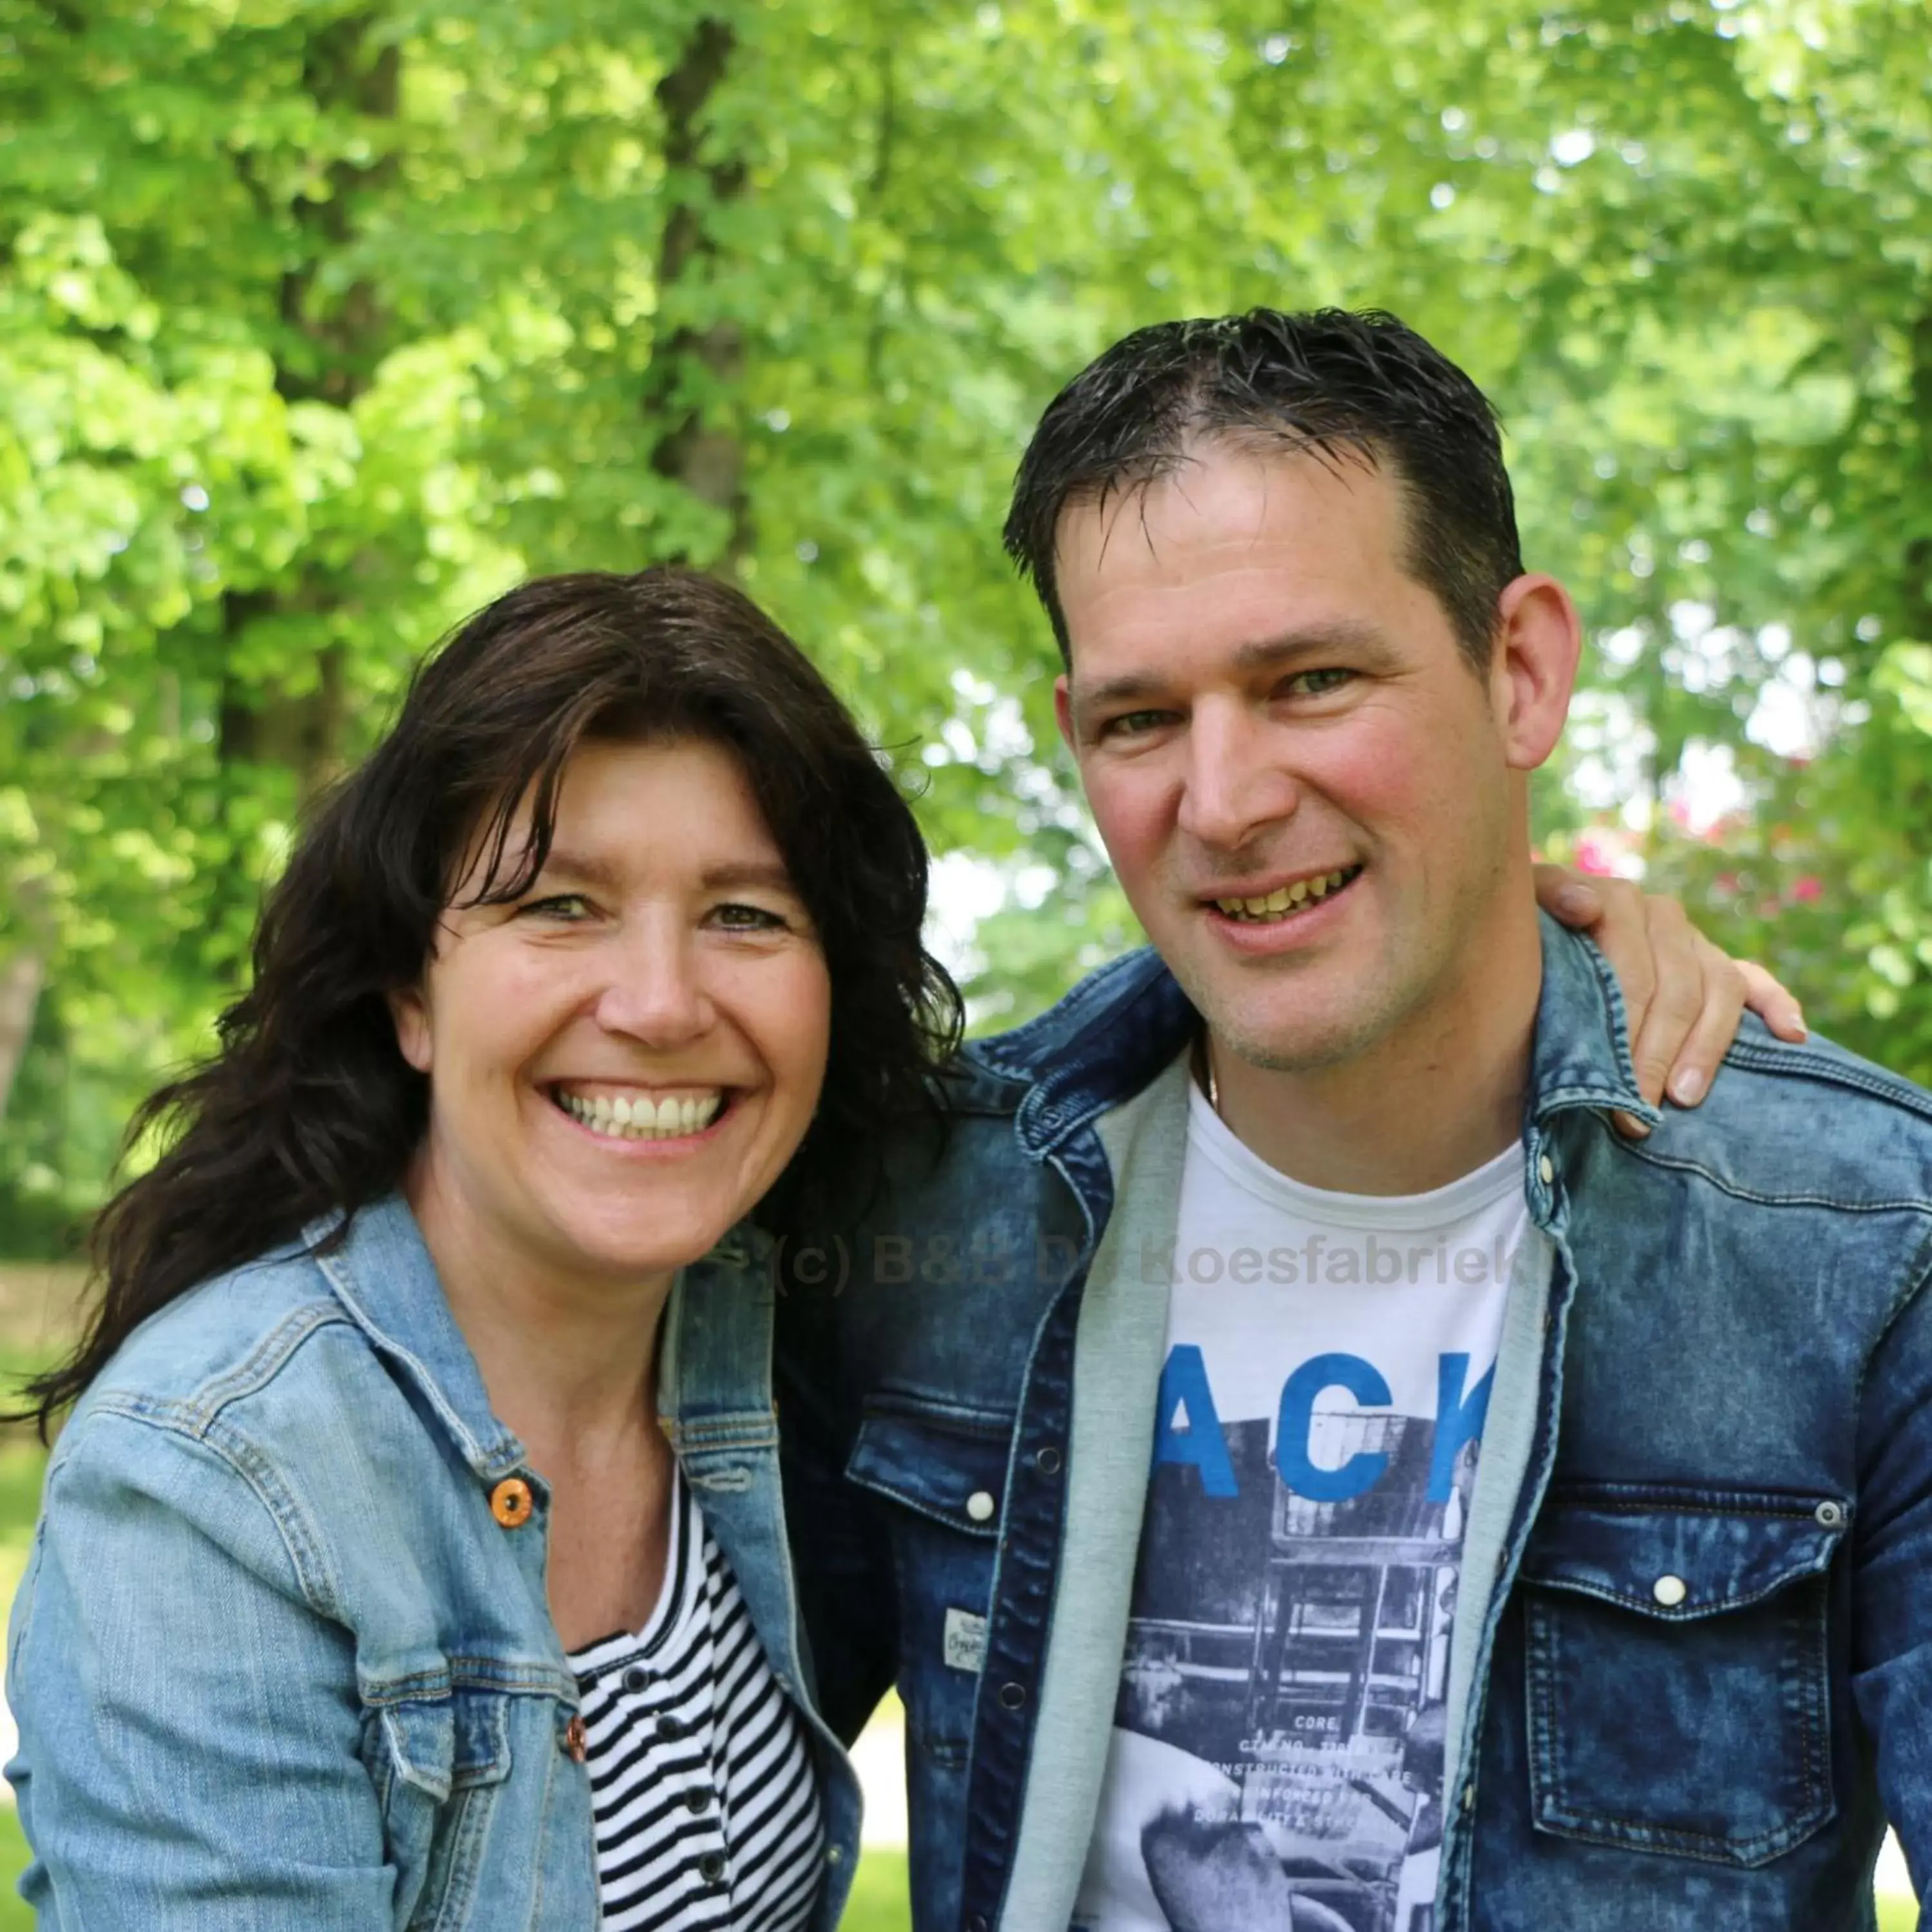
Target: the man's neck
pixel 1439 1095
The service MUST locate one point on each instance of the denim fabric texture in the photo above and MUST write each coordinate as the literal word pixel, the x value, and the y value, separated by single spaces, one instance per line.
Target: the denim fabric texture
pixel 277 1664
pixel 1699 1680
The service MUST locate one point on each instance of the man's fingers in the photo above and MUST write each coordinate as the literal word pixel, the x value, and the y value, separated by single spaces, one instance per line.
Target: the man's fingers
pixel 1678 1002
pixel 1767 998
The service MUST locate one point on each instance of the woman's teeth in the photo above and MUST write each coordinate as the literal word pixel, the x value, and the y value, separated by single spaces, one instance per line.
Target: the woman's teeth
pixel 1288 898
pixel 639 1117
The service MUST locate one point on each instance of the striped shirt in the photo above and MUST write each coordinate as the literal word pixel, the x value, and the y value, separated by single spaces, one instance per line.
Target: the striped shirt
pixel 703 1788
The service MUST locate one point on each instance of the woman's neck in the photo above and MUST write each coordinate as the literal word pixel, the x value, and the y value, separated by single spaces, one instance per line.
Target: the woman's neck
pixel 565 1358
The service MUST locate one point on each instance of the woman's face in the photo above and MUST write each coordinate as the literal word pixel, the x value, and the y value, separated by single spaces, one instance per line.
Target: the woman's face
pixel 621 1061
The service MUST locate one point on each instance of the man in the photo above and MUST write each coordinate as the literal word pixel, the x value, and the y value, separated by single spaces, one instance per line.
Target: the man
pixel 1303 1466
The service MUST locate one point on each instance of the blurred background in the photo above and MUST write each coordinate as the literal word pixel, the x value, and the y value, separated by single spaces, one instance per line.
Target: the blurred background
pixel 322 323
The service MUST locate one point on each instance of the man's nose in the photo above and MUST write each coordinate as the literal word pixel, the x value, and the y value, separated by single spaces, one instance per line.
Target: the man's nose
pixel 654 989
pixel 1236 781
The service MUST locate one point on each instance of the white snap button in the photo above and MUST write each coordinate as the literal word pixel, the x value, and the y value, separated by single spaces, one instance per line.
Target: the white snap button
pixel 1547 1168
pixel 1831 1515
pixel 980 1506
pixel 1670 1591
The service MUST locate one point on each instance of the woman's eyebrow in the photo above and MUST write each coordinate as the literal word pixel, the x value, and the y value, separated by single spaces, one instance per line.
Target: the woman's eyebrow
pixel 767 873
pixel 590 869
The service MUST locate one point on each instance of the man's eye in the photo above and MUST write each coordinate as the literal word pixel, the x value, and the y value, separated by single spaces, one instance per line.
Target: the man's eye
pixel 736 918
pixel 567 907
pixel 1134 724
pixel 1313 683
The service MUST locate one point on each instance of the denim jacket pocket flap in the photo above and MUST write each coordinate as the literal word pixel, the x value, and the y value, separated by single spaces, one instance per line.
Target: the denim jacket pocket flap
pixel 1679 1691
pixel 1681 1556
pixel 946 1462
pixel 449 1744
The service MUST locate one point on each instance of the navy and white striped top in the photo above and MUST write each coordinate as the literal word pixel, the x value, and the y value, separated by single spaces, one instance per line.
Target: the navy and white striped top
pixel 703 1788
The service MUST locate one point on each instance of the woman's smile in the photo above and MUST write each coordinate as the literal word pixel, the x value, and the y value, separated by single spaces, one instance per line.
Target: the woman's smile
pixel 620 1113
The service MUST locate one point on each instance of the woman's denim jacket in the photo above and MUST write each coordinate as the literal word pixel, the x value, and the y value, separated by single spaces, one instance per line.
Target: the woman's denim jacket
pixel 1691 1672
pixel 277 1664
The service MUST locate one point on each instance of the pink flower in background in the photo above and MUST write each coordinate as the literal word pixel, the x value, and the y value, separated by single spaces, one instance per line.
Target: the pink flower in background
pixel 1806 890
pixel 1594 856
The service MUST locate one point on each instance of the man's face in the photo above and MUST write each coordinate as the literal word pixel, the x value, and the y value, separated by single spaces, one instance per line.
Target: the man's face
pixel 1306 789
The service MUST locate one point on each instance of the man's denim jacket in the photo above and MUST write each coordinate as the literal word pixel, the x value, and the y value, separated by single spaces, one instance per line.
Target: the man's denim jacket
pixel 277 1664
pixel 1716 1369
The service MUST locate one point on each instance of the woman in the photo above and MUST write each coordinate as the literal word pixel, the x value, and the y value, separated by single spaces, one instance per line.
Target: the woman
pixel 371 1587
pixel 415 1555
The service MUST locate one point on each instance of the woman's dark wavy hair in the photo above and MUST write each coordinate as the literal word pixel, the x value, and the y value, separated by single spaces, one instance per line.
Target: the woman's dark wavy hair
pixel 308 1106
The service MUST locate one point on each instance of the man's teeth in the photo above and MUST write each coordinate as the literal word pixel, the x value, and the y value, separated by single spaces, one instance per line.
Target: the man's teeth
pixel 1289 898
pixel 639 1117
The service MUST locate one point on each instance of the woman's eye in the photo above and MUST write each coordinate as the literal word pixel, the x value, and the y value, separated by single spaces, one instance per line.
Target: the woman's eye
pixel 567 907
pixel 735 918
pixel 1313 683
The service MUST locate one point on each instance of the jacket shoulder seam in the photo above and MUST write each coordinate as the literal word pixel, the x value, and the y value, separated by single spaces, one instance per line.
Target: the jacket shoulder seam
pixel 1854 1074
pixel 1918 1204
pixel 245 1460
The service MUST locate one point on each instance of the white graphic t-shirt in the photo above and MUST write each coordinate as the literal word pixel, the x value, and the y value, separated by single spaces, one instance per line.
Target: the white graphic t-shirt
pixel 1277 1759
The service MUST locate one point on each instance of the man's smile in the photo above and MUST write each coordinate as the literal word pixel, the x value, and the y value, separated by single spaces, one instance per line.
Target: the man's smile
pixel 1280 902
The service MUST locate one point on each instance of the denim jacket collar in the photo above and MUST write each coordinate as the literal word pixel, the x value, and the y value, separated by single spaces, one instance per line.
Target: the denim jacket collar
pixel 382 1274
pixel 1117 1030
pixel 1581 1057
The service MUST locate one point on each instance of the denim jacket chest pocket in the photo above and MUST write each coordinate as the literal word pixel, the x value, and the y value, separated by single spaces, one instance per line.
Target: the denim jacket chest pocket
pixel 439 1760
pixel 944 1468
pixel 1677 1674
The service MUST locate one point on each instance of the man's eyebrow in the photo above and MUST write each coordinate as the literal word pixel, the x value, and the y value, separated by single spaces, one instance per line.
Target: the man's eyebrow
pixel 1265 654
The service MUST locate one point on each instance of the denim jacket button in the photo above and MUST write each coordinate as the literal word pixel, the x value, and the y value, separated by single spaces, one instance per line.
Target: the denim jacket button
pixel 980 1506
pixel 1547 1167
pixel 1048 1462
pixel 1830 1516
pixel 574 1748
pixel 510 1502
pixel 1670 1591
pixel 1012 1696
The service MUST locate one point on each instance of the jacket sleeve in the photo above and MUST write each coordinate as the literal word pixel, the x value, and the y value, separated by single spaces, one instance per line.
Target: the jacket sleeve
pixel 1891 1585
pixel 190 1735
pixel 847 1594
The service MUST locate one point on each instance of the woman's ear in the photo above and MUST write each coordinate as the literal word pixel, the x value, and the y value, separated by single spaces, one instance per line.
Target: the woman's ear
pixel 409 1007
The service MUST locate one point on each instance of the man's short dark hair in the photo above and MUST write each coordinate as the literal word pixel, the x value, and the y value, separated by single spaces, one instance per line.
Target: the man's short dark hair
pixel 1324 381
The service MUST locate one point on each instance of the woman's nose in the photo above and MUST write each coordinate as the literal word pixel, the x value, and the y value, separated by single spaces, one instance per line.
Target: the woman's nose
pixel 654 989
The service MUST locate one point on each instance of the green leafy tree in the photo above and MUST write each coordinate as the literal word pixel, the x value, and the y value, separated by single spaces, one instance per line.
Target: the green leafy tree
pixel 321 322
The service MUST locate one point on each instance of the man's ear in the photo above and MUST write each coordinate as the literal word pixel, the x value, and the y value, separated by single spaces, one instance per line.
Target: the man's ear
pixel 1539 645
pixel 408 1008
pixel 1063 713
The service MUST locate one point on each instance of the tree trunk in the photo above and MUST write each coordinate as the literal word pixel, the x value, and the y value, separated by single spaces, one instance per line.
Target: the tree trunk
pixel 19 997
pixel 1918 550
pixel 698 366
pixel 326 355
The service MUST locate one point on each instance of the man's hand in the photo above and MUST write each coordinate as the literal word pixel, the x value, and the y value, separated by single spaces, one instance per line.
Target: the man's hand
pixel 1683 995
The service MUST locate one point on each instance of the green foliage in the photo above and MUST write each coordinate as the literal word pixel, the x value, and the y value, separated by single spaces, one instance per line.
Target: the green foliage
pixel 322 320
